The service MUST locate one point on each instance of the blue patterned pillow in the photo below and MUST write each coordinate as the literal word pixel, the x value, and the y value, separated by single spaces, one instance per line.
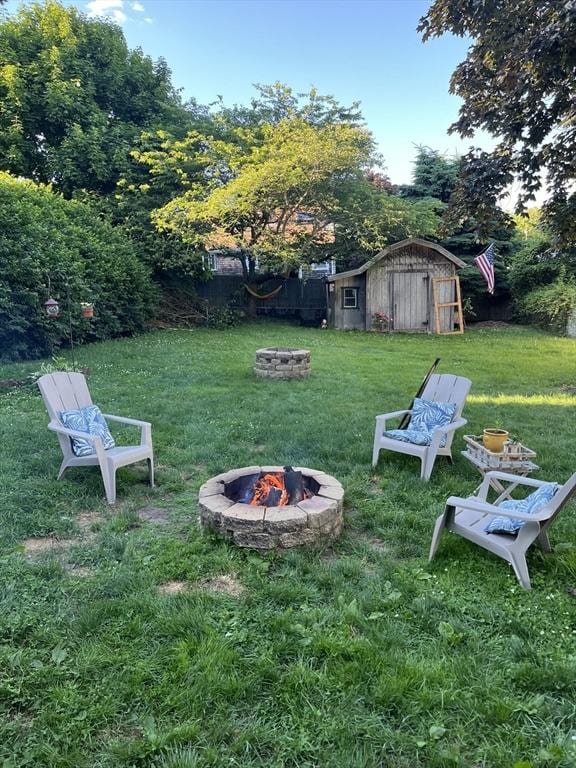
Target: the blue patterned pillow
pixel 426 417
pixel 532 503
pixel 414 436
pixel 90 420
pixel 426 414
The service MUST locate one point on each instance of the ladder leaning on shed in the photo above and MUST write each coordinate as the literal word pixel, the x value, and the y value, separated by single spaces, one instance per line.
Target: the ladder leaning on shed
pixel 454 307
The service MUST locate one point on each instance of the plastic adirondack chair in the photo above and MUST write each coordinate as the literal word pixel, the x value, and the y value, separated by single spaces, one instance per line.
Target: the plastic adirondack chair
pixel 65 391
pixel 468 518
pixel 441 388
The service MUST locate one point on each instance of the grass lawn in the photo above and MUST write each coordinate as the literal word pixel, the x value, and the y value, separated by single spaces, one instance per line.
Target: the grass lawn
pixel 128 638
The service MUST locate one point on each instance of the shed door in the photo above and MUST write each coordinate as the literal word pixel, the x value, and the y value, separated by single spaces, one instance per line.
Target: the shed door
pixel 410 301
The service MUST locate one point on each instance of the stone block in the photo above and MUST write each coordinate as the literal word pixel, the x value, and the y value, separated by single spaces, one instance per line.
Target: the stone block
pixel 319 510
pixel 243 517
pixel 298 538
pixel 255 540
pixel 210 505
pixel 211 488
pixel 335 492
pixel 284 519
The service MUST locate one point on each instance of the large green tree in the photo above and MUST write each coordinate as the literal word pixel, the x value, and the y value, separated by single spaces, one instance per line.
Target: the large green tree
pixel 518 82
pixel 262 178
pixel 248 177
pixel 74 98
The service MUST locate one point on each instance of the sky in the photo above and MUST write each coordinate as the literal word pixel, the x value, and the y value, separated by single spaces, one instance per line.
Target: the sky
pixel 355 50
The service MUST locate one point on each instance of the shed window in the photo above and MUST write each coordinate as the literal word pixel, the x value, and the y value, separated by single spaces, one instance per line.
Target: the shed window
pixel 210 260
pixel 349 298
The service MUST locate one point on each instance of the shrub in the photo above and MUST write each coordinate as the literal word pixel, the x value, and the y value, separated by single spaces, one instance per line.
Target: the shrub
pixel 45 237
pixel 551 305
pixel 223 317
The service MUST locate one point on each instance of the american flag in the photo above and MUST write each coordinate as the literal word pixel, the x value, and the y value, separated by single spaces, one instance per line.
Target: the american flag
pixel 485 263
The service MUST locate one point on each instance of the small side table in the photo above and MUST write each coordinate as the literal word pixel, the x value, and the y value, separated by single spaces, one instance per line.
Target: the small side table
pixel 517 463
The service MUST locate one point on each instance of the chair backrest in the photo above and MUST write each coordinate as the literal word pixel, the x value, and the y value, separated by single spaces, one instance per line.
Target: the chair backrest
pixel 560 498
pixel 63 391
pixel 446 388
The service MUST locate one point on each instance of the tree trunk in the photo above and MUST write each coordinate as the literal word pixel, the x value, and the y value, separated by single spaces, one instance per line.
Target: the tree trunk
pixel 249 269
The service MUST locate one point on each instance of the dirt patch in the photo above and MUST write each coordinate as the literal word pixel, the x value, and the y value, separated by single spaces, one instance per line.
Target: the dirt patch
pixel 79 571
pixel 227 584
pixel 38 546
pixel 154 515
pixel 172 587
pixel 379 545
pixel 87 521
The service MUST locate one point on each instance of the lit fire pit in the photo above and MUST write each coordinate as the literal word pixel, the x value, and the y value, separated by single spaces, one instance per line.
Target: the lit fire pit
pixel 268 507
pixel 282 363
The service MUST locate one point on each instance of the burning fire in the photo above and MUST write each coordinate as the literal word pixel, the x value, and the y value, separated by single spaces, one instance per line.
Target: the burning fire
pixel 264 488
pixel 276 489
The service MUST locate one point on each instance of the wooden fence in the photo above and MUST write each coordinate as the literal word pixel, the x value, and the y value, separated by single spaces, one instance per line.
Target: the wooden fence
pixel 302 299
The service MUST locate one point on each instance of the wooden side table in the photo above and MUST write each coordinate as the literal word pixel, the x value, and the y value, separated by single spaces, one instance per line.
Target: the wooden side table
pixel 518 462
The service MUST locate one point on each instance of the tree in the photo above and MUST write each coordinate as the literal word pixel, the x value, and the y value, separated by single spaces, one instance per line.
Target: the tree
pixel 434 175
pixel 518 84
pixel 435 182
pixel 262 179
pixel 75 98
pixel 161 167
pixel 368 219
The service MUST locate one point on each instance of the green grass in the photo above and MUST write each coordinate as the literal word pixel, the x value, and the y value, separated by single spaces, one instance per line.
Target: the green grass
pixel 358 656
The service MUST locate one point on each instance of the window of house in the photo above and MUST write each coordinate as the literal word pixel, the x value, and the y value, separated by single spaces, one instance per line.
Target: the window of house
pixel 304 218
pixel 349 298
pixel 210 260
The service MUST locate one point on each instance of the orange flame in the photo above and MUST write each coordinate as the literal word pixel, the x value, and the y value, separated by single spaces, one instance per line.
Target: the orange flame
pixel 264 485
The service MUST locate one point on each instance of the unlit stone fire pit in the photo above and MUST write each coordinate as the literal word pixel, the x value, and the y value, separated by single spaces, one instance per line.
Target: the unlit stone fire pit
pixel 274 517
pixel 282 363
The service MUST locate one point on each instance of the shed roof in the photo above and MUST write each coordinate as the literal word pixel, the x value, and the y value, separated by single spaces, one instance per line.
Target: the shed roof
pixel 396 247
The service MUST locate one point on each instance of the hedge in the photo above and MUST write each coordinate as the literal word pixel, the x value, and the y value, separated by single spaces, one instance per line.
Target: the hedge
pixel 45 241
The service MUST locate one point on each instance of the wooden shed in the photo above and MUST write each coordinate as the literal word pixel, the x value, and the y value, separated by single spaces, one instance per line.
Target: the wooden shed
pixel 398 282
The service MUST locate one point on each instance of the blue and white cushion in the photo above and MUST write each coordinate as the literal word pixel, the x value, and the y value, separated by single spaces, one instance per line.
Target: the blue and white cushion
pixel 427 415
pixel 90 420
pixel 414 436
pixel 528 506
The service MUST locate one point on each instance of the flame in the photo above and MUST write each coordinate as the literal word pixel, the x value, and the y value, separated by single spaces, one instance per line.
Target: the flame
pixel 264 485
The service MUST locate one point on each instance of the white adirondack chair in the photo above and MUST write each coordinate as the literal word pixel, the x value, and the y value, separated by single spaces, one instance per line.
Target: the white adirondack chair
pixel 441 388
pixel 468 518
pixel 63 391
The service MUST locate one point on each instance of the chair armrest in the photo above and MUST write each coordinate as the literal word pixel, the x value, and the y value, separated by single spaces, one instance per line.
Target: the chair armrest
pixel 492 509
pixel 96 440
pixel 125 420
pixel 145 427
pixel 439 432
pixel 506 477
pixel 383 418
pixel 451 427
pixel 392 415
pixel 511 478
pixel 55 427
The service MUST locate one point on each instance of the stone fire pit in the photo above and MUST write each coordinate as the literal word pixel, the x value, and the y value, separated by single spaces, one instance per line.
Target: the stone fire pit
pixel 282 363
pixel 316 520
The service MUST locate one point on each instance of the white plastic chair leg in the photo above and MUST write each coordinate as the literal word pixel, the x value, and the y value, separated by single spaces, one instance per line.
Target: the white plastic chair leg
pixel 520 566
pixel 438 531
pixel 109 478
